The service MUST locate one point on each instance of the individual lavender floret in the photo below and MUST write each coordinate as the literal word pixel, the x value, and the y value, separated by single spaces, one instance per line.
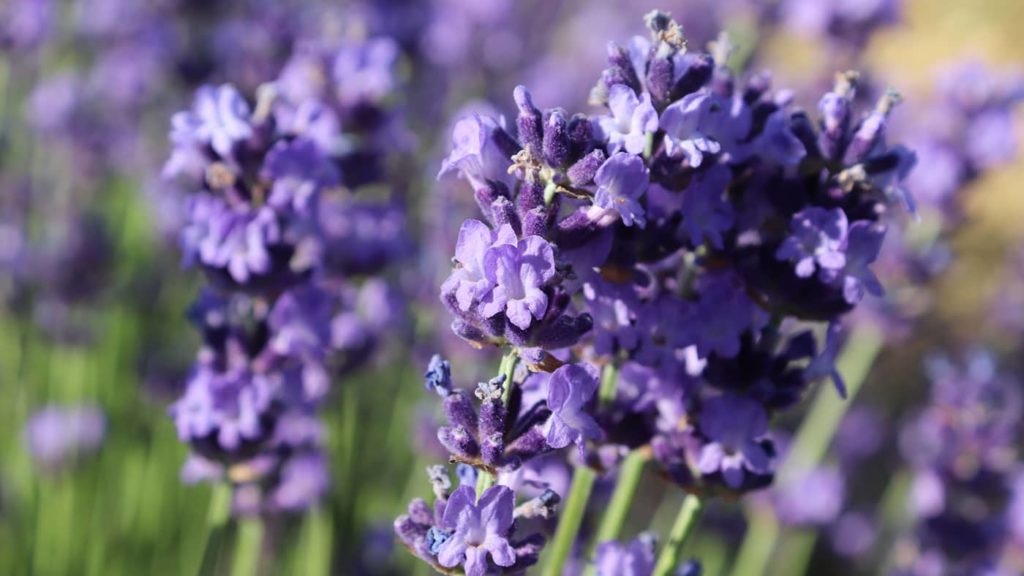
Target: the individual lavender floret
pixel 56 436
pixel 570 389
pixel 863 244
pixel 723 312
pixel 469 280
pixel 706 213
pixel 682 121
pixel 481 152
pixel 519 273
pixel 737 447
pixel 224 413
pixel 816 242
pixel 621 181
pixel 478 531
pixel 299 171
pixel 632 120
pixel 220 118
pixel 636 558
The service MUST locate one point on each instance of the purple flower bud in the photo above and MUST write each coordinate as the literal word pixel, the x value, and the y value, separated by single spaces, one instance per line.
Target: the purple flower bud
pixel 460 411
pixel 585 169
pixel 556 145
pixel 459 442
pixel 529 123
pixel 438 377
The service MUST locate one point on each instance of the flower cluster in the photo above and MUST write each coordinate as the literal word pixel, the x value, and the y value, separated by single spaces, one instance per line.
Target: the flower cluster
pixel 692 240
pixel 272 222
pixel 963 452
pixel 702 224
pixel 473 531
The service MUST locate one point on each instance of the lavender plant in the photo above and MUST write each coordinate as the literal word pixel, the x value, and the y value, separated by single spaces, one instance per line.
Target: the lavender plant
pixel 270 212
pixel 686 242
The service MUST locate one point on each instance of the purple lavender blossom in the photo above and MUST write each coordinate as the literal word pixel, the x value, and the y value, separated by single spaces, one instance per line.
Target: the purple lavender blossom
pixel 863 244
pixel 481 152
pixel 681 122
pixel 706 214
pixel 478 530
pixel 299 171
pixel 518 274
pixel 816 242
pixel 735 427
pixel 621 181
pixel 220 118
pixel 631 120
pixel 570 388
pixel 635 558
pixel 56 436
pixel 469 281
pixel 224 410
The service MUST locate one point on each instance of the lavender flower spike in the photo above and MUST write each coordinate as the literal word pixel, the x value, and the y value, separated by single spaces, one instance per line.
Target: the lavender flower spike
pixel 478 530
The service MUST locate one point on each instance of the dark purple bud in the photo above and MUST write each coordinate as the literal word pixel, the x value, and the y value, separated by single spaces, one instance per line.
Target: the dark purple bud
pixel 621 69
pixel 529 123
pixel 581 135
pixel 492 417
pixel 486 194
pixel 492 450
pixel 835 121
pixel 871 131
pixel 459 410
pixel 695 72
pixel 556 139
pixel 538 222
pixel 408 531
pixel 563 332
pixel 467 331
pixel 660 79
pixel 420 512
pixel 504 213
pixel 804 131
pixel 528 445
pixel 531 195
pixel 583 171
pixel 458 441
pixel 757 86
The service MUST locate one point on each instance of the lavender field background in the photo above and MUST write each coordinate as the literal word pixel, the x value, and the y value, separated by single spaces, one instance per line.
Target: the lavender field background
pixel 126 295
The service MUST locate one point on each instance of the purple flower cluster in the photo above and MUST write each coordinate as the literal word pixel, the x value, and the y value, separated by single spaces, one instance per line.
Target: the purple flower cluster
pixel 474 532
pixel 963 452
pixel 271 220
pixel 693 235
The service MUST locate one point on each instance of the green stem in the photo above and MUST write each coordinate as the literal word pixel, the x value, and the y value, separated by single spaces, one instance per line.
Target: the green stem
pixel 507 369
pixel 809 445
pixel 758 543
pixel 685 522
pixel 217 523
pixel 570 521
pixel 622 498
pixel 609 384
pixel 795 552
pixel 248 547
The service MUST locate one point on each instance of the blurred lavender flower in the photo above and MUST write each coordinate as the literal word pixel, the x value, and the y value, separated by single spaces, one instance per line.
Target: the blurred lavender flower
pixel 57 436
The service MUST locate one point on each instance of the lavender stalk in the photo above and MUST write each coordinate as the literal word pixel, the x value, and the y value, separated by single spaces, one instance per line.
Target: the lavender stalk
pixel 685 524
